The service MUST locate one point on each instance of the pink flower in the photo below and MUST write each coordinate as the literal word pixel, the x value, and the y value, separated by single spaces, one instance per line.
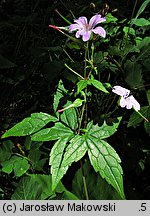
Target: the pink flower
pixel 85 30
pixel 126 100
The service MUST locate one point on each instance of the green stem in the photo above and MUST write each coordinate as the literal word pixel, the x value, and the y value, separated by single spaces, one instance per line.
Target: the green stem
pixel 143 116
pixel 74 72
pixel 131 23
pixel 22 156
pixel 81 118
pixel 67 21
pixel 84 182
pixel 68 55
pixel 85 57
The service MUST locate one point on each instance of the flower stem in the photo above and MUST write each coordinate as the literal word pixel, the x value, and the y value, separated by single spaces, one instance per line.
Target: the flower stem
pixel 84 182
pixel 74 71
pixel 143 116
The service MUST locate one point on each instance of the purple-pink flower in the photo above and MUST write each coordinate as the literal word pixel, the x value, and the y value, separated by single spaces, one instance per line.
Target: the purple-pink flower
pixel 85 29
pixel 126 100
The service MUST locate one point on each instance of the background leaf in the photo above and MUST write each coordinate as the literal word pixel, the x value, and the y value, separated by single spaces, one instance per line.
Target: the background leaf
pixel 39 187
pixel 97 187
pixel 5 63
pixel 133 75
pixel 135 118
pixel 18 164
pixel 6 150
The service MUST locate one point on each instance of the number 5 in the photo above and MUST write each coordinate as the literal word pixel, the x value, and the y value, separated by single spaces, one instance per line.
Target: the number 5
pixel 143 207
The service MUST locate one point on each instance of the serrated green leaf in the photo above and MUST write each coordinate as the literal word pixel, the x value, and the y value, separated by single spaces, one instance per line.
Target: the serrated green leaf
pixel 75 150
pixel 103 131
pixel 69 117
pixel 59 130
pixel 97 84
pixel 57 170
pixel 102 156
pixel 61 91
pixel 30 125
pixel 60 161
pixel 135 118
pixel 82 84
pixel 106 161
pixel 20 167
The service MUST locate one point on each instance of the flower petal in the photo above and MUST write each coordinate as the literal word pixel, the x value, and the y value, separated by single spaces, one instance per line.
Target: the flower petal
pixel 128 103
pixel 86 36
pixel 74 27
pixel 134 103
pixel 100 31
pixel 96 20
pixel 80 33
pixel 121 91
pixel 81 21
pixel 123 102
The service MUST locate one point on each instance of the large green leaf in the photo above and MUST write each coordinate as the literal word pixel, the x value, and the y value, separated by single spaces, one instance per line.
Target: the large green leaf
pixel 75 150
pixel 104 131
pixel 30 125
pixel 106 161
pixel 97 187
pixel 56 155
pixel 102 156
pixel 60 161
pixel 56 132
